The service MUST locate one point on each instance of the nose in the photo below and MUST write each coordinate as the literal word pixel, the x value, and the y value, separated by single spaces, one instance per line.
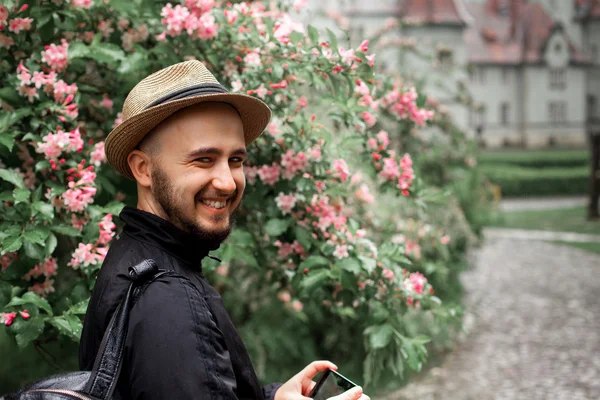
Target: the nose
pixel 223 179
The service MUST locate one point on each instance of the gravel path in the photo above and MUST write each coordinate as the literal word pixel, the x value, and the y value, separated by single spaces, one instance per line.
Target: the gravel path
pixel 542 203
pixel 534 315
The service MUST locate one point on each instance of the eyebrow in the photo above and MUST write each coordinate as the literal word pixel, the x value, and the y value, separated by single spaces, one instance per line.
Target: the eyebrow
pixel 215 150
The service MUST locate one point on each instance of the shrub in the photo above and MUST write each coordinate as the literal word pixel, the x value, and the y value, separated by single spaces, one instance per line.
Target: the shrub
pixel 317 254
pixel 537 158
pixel 519 181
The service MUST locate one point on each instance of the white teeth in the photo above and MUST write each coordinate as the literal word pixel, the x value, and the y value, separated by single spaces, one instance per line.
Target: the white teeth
pixel 215 204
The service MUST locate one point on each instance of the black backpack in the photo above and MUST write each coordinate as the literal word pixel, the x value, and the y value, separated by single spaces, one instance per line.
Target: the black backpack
pixel 100 382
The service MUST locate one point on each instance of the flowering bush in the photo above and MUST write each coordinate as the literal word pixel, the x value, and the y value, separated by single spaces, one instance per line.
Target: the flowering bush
pixel 311 244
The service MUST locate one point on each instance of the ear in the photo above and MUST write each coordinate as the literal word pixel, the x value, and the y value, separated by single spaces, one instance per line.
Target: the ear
pixel 141 167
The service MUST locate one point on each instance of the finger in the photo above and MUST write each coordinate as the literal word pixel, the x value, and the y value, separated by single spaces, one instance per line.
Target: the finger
pixel 364 397
pixel 352 394
pixel 312 369
pixel 310 388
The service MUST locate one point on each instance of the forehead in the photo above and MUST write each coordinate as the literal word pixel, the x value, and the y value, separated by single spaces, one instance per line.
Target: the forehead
pixel 203 125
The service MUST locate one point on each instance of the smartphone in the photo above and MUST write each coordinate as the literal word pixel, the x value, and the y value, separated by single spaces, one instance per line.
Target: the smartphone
pixel 331 384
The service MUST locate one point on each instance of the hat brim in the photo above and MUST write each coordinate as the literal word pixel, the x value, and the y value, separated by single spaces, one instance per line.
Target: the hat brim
pixel 254 113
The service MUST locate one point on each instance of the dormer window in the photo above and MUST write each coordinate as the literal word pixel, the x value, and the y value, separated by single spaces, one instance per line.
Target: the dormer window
pixel 558 78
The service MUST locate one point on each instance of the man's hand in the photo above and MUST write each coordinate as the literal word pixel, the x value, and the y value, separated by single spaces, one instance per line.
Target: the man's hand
pixel 301 384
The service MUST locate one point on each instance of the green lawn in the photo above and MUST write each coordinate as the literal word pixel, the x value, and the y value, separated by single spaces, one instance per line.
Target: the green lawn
pixel 567 220
pixel 593 247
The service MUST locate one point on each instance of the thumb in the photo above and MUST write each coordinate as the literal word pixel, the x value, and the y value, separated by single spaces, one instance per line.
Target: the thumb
pixel 352 394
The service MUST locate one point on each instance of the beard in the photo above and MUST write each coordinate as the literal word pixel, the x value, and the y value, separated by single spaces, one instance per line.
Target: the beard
pixel 163 192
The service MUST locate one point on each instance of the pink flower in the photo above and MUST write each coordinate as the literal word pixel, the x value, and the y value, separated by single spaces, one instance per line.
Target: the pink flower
pixel 29 92
pixel 418 281
pixel 283 28
pixel 372 143
pixel 107 228
pixel 364 194
pixel 445 239
pixel 84 255
pixel 413 249
pixel 6 41
pixel 315 153
pixel 361 88
pixel 269 174
pixel 383 138
pixel 390 169
pixel 42 289
pixel 274 127
pixel 251 173
pixel 388 274
pixel 297 305
pixel 56 56
pixel 24 314
pixel 17 25
pixel 252 58
pixel 230 15
pixel 261 91
pixel 302 102
pixel 293 163
pixel 285 202
pixel 47 268
pixel 54 144
pixel 7 318
pixel 368 118
pixel 348 56
pixel 285 296
pixel 364 46
pixel 98 157
pixel 174 18
pixel 341 169
pixel 105 28
pixel 82 3
pixel 207 28
pixel 341 251
pixel 371 60
pixel 61 90
pixel 118 120
pixel 237 86
pixel 77 199
pixel 3 15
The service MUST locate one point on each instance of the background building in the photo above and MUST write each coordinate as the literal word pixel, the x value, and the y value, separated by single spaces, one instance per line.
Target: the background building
pixel 533 66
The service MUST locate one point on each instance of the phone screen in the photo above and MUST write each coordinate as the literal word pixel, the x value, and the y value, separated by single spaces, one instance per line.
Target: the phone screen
pixel 331 384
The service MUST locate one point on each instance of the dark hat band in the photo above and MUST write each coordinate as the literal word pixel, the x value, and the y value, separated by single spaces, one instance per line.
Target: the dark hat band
pixel 190 91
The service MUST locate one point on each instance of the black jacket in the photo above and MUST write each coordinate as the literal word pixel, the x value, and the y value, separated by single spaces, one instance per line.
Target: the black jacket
pixel 181 343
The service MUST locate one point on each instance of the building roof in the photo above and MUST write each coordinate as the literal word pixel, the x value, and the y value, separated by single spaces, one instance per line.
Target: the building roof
pixel 511 35
pixel 587 10
pixel 433 11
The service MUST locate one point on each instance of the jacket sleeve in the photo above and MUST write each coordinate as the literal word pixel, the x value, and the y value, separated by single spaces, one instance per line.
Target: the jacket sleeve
pixel 270 390
pixel 174 349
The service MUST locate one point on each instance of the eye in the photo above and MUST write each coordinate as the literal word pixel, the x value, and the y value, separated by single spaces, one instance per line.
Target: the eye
pixel 236 160
pixel 203 159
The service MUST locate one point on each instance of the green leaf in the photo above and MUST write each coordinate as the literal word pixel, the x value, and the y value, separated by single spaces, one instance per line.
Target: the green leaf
pixel 51 243
pixel 313 34
pixel 21 195
pixel 27 331
pixel 380 335
pixel 43 208
pixel 32 298
pixel 275 226
pixel 33 251
pixel 36 235
pixel 10 95
pixel 78 50
pixel 368 263
pixel 313 261
pixel 333 43
pixel 8 139
pixel 11 243
pixel 8 119
pixel 303 236
pixel 69 325
pixel 13 177
pixel 296 37
pixel 349 264
pixel 66 230
pixel 313 280
pixel 132 63
pixel 108 53
pixel 79 308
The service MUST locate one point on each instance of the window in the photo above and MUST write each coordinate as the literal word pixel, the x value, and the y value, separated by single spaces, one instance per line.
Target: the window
pixel 557 112
pixel 480 75
pixel 478 117
pixel 558 78
pixel 592 106
pixel 505 113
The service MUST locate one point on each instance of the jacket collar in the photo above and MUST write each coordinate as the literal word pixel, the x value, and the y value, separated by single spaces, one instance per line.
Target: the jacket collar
pixel 152 229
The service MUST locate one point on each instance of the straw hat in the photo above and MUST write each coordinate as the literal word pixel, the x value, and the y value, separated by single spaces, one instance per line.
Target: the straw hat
pixel 161 94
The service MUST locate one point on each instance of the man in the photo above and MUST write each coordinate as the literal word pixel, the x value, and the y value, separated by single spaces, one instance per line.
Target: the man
pixel 183 139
